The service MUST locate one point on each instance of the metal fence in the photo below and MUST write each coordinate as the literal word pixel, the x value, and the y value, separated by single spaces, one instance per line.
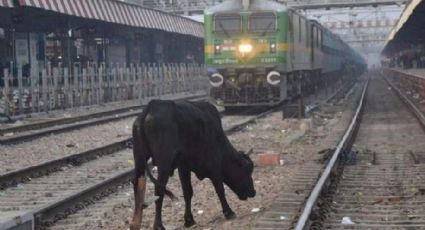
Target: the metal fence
pixel 53 88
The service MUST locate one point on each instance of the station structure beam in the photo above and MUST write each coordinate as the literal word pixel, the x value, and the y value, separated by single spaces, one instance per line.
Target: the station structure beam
pixel 197 7
pixel 328 4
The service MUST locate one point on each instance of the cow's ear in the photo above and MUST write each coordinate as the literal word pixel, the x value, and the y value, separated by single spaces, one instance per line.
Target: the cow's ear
pixel 247 163
pixel 243 162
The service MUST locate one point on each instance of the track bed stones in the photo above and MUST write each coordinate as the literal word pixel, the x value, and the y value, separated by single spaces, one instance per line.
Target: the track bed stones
pixel 280 189
pixel 329 125
pixel 114 210
pixel 42 191
pixel 384 188
pixel 78 192
pixel 60 145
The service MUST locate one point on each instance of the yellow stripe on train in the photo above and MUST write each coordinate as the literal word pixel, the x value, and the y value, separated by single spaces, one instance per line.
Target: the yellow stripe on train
pixel 280 47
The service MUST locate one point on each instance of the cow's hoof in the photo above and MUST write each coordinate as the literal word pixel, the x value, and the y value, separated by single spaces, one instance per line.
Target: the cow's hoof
pixel 189 223
pixel 158 227
pixel 230 215
pixel 134 227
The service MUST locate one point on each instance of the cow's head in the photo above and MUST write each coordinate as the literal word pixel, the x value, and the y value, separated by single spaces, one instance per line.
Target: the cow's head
pixel 239 178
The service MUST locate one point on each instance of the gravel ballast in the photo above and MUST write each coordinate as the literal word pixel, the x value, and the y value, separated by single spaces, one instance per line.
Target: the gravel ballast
pixel 55 146
pixel 298 142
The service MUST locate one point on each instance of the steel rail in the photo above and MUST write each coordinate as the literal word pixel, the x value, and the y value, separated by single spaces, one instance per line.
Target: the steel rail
pixel 418 114
pixel 48 215
pixel 64 128
pixel 51 213
pixel 341 90
pixel 15 177
pixel 346 88
pixel 343 144
pixel 64 125
pixel 62 121
pixel 20 176
pixel 61 208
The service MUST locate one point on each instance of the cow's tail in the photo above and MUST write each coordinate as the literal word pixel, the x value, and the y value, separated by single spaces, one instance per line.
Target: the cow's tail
pixel 142 149
pixel 156 182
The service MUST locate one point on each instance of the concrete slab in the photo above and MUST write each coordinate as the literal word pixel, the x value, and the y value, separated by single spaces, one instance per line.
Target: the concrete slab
pixel 16 221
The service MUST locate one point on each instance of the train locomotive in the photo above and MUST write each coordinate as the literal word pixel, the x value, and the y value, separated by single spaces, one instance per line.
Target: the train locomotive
pixel 260 53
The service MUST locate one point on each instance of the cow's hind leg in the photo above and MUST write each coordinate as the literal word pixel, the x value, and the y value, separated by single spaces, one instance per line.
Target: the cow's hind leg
pixel 140 153
pixel 164 173
pixel 219 189
pixel 185 180
pixel 139 194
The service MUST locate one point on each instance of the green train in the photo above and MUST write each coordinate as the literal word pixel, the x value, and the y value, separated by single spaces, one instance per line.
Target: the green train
pixel 260 52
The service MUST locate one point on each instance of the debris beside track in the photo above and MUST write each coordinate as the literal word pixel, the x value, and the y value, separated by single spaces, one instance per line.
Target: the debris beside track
pixel 267 159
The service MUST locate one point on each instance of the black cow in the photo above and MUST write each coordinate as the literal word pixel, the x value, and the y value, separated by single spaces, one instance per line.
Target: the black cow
pixel 188 136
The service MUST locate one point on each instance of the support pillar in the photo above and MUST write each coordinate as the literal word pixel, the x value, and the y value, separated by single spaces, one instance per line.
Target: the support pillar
pixel 301 109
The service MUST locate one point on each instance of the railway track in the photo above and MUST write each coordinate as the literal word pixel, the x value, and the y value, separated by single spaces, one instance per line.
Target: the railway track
pixel 285 211
pixel 69 187
pixel 48 192
pixel 378 183
pixel 116 195
pixel 16 134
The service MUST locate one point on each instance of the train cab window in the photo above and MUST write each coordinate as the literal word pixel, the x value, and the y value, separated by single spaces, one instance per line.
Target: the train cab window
pixel 262 23
pixel 227 24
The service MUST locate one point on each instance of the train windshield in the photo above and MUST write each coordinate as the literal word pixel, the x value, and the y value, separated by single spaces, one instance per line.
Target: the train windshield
pixel 262 23
pixel 227 24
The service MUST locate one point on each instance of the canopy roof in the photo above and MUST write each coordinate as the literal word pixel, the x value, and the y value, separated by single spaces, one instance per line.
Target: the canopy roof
pixel 120 13
pixel 409 30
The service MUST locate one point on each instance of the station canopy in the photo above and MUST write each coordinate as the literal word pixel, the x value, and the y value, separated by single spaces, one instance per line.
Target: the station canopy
pixel 118 12
pixel 409 30
pixel 6 3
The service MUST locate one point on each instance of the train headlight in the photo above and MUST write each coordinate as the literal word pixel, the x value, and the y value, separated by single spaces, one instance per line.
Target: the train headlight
pixel 217 49
pixel 273 78
pixel 245 48
pixel 273 48
pixel 216 80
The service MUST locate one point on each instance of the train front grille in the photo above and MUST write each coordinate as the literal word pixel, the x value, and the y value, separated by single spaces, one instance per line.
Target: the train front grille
pixel 246 95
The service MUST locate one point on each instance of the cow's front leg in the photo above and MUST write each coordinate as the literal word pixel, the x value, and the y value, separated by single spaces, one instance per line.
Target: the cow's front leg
pixel 219 189
pixel 158 209
pixel 187 193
